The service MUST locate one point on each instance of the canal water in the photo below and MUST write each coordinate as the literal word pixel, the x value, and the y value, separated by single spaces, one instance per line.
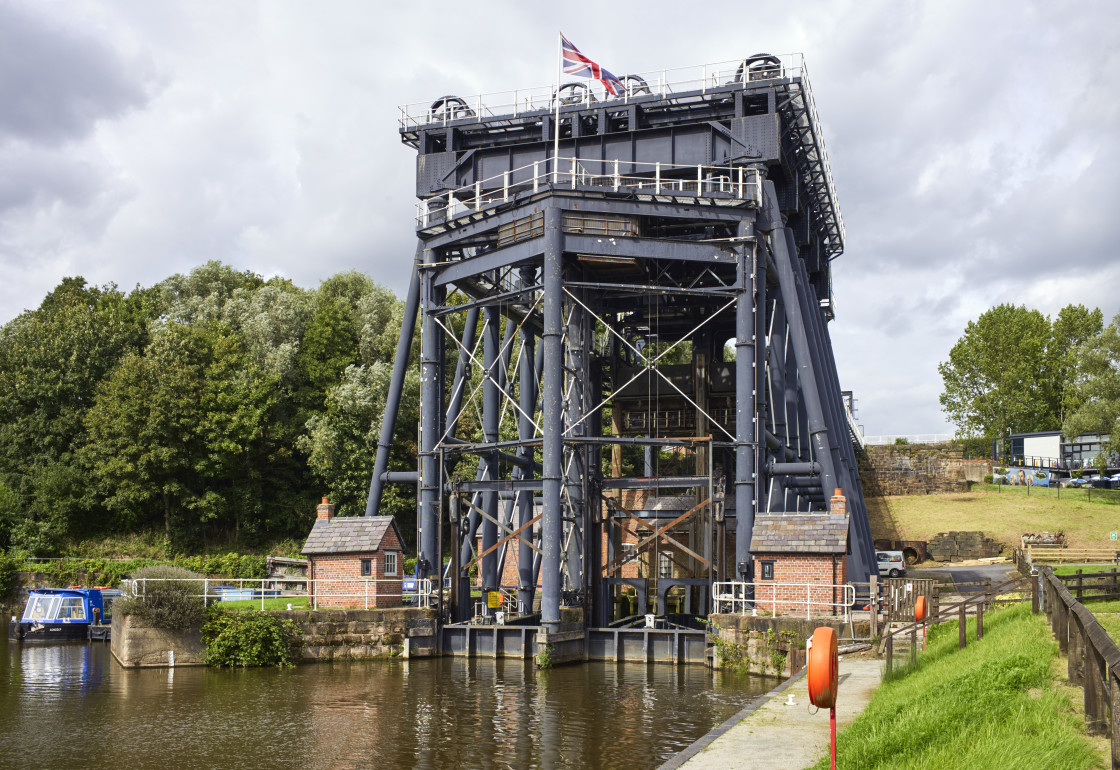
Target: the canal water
pixel 72 705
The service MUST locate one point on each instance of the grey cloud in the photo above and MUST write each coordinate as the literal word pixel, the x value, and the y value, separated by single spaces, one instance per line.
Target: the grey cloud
pixel 57 82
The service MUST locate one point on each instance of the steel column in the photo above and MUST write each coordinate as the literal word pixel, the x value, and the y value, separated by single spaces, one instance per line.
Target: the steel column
pixel 552 521
pixel 745 410
pixel 431 365
pixel 396 386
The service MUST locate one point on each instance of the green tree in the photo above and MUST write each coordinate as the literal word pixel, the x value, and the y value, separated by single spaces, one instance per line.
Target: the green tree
pixel 51 361
pixel 176 435
pixel 997 378
pixel 1075 326
pixel 1099 389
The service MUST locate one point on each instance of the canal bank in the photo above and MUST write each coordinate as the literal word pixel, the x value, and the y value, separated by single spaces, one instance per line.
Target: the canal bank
pixel 773 733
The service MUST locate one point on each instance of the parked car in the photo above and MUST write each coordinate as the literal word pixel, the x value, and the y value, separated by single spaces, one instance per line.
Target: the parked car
pixel 891 563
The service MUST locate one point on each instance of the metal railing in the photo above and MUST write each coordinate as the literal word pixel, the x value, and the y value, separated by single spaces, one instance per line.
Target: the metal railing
pixel 661 83
pixel 909 438
pixel 734 184
pixel 483 613
pixel 730 597
pixel 355 592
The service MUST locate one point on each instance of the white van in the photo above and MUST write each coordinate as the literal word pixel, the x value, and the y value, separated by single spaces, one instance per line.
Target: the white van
pixel 891 563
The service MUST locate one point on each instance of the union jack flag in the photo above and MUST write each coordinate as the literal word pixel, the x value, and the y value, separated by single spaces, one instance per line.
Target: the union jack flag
pixel 575 63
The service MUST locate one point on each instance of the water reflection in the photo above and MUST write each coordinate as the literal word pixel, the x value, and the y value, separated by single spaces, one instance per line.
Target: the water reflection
pixel 424 714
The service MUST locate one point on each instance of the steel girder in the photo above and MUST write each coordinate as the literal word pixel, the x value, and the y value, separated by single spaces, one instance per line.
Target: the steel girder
pixel 786 402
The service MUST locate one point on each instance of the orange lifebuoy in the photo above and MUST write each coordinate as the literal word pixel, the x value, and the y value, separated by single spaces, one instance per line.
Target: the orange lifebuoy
pixel 919 609
pixel 824 668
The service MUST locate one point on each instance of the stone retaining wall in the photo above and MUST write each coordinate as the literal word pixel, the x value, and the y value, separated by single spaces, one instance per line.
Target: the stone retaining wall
pixel 137 645
pixel 918 469
pixel 772 644
pixel 957 546
pixel 340 634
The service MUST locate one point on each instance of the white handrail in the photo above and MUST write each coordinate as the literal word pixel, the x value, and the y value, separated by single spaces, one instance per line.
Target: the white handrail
pixel 700 180
pixel 736 596
pixel 313 590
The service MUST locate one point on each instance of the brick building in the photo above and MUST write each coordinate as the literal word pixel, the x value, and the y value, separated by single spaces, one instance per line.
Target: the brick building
pixel 799 559
pixel 354 561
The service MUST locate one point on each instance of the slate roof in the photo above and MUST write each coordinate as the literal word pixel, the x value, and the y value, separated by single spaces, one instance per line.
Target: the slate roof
pixel 348 534
pixel 800 533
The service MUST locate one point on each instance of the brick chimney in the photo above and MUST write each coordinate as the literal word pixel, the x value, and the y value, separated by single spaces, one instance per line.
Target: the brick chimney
pixel 837 506
pixel 324 511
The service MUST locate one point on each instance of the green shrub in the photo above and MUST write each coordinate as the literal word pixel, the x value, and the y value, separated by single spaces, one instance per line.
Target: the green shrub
pixel 9 566
pixel 241 638
pixel 170 601
pixel 901 441
pixel 988 478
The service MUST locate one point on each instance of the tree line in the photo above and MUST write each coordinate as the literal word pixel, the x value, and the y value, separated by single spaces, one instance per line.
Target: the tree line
pixel 1016 371
pixel 215 407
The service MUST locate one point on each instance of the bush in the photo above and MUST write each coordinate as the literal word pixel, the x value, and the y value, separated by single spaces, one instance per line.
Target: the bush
pixel 244 638
pixel 9 566
pixel 988 478
pixel 901 441
pixel 171 602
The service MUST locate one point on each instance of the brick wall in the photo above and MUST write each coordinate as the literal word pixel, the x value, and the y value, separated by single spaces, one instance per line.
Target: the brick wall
pixel 918 469
pixel 337 578
pixel 799 569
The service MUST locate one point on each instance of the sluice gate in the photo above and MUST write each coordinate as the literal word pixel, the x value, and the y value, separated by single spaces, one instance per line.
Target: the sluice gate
pixel 623 309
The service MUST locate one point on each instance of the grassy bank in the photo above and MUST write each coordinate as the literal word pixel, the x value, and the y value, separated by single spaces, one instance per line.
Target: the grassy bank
pixel 993 705
pixel 1004 514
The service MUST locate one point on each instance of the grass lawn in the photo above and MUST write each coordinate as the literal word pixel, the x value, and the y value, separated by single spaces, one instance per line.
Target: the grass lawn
pixel 273 603
pixel 1110 623
pixel 1004 514
pixel 1071 569
pixel 993 705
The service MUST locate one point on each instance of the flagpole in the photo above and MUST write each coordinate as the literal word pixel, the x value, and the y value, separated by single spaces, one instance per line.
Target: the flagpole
pixel 556 119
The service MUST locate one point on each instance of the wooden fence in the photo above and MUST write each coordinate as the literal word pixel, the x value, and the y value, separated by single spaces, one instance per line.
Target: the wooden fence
pixel 1062 555
pixel 1093 659
pixel 969 603
pixel 1092 585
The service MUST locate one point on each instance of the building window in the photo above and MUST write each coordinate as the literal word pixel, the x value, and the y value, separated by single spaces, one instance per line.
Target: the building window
pixel 391 563
pixel 767 570
pixel 367 567
pixel 664 566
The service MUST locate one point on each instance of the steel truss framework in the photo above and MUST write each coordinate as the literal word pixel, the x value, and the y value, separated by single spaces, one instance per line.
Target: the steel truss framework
pixel 577 322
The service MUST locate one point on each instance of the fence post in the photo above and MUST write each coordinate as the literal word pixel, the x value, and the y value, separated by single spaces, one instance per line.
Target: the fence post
pixel 914 644
pixel 989 597
pixel 1089 680
pixel 1075 658
pixel 890 653
pixel 1034 595
pixel 1063 627
pixel 1079 585
pixel 961 614
pixel 980 621
pixel 873 595
pixel 935 604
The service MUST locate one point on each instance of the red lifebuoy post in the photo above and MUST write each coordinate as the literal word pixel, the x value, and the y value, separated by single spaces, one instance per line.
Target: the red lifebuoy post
pixel 920 616
pixel 824 674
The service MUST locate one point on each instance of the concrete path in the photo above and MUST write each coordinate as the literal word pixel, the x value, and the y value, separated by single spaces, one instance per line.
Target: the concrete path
pixel 771 734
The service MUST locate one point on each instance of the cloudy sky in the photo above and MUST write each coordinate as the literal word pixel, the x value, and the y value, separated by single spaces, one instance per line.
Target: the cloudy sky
pixel 975 146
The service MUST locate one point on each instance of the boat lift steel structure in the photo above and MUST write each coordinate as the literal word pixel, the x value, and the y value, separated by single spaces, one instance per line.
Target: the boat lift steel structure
pixel 695 212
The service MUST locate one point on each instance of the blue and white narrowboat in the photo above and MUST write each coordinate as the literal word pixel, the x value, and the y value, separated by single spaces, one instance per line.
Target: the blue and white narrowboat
pixel 64 614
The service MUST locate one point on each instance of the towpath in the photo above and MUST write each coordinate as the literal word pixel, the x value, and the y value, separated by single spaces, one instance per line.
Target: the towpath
pixel 771 734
